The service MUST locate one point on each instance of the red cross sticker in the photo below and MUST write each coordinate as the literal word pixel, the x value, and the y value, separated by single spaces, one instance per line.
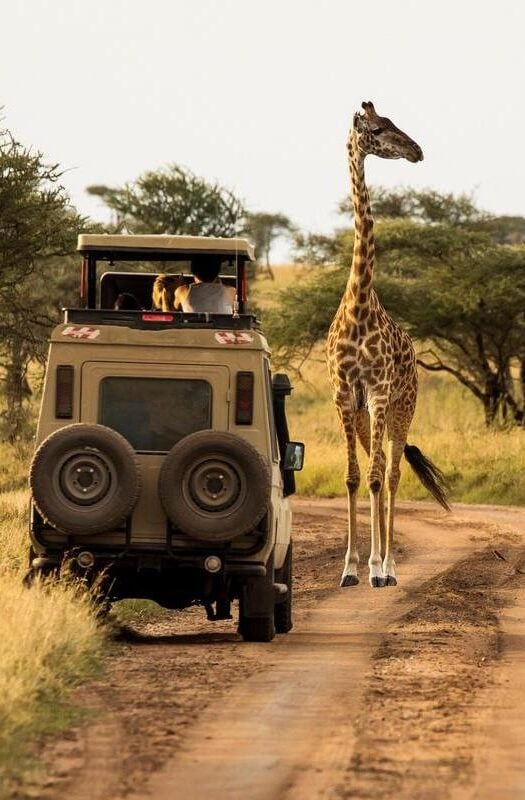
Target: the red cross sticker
pixel 233 337
pixel 83 332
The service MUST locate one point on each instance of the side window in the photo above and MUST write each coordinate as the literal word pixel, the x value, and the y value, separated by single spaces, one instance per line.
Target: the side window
pixel 271 417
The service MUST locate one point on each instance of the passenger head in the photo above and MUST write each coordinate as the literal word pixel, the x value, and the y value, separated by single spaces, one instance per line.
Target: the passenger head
pixel 164 292
pixel 206 269
pixel 127 302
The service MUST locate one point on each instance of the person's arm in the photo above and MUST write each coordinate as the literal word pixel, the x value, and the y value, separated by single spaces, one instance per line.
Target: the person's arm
pixel 181 292
pixel 232 294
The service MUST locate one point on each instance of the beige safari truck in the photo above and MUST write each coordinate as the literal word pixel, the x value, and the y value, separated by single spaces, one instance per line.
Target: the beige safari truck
pixel 163 464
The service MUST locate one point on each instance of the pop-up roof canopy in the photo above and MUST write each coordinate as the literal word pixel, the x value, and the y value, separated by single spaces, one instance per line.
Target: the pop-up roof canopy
pixel 162 247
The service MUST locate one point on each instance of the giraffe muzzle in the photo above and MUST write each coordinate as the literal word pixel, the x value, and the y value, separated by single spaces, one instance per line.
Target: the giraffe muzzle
pixel 416 154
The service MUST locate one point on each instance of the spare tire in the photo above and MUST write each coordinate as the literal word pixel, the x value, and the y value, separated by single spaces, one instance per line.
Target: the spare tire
pixel 214 486
pixel 85 479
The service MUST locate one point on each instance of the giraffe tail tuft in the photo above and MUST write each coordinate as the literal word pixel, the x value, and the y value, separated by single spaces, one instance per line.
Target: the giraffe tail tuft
pixel 430 476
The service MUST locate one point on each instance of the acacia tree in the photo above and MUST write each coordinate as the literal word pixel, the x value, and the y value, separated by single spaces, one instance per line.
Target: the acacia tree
pixel 453 285
pixel 264 228
pixel 173 200
pixel 37 226
pixel 425 205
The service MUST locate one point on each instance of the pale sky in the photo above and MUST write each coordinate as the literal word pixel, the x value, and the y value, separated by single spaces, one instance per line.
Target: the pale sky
pixel 260 95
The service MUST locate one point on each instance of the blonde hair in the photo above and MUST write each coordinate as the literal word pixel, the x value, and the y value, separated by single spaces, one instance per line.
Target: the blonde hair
pixel 164 292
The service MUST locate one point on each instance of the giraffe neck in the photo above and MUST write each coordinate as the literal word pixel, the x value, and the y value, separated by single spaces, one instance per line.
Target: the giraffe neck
pixel 361 273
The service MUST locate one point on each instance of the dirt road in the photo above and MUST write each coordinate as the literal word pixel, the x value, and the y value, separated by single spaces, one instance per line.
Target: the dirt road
pixel 409 692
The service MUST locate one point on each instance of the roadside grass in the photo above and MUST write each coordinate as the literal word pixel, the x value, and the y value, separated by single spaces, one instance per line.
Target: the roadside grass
pixel 14 460
pixel 481 465
pixel 136 612
pixel 50 643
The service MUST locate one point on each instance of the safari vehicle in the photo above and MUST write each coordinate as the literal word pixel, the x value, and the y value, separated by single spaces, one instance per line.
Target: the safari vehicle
pixel 163 461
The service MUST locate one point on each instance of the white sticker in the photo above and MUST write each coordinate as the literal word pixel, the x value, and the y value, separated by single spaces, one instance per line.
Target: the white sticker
pixel 81 332
pixel 234 337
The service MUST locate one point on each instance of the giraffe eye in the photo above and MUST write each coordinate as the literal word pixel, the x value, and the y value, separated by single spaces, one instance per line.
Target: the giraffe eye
pixel 377 131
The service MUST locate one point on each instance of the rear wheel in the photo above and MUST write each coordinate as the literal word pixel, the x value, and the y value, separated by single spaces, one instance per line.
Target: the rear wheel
pixel 283 610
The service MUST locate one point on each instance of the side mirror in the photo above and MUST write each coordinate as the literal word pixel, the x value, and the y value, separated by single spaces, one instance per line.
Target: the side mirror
pixel 294 456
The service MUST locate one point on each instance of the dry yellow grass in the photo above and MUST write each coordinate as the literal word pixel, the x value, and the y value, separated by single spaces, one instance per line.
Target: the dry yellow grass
pixel 50 641
pixel 265 292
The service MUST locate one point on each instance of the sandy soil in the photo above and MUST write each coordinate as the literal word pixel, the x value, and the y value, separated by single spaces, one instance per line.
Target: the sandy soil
pixel 408 692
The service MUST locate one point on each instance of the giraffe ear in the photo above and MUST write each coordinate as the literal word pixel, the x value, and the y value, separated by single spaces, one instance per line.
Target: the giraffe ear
pixel 369 109
pixel 358 121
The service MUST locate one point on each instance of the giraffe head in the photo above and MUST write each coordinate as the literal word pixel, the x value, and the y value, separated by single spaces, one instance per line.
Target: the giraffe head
pixel 380 137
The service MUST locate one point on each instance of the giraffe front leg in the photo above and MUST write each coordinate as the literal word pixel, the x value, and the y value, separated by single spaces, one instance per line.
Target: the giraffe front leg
pixel 349 576
pixel 375 480
pixel 363 433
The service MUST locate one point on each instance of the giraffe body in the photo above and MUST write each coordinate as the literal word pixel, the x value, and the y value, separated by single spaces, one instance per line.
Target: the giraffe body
pixel 372 363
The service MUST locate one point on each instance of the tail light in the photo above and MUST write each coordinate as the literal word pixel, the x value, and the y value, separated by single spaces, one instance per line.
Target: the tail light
pixel 65 376
pixel 154 317
pixel 244 399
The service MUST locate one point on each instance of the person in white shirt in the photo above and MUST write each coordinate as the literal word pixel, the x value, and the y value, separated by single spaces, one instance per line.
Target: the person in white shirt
pixel 206 294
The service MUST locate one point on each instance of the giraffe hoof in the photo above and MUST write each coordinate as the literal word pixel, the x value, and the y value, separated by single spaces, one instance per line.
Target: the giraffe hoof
pixel 390 580
pixel 349 580
pixel 377 583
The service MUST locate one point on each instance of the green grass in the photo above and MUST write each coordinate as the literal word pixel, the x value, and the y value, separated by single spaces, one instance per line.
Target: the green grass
pixel 141 611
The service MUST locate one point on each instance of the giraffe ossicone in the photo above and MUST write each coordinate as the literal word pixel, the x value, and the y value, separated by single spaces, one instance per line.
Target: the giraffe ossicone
pixel 372 366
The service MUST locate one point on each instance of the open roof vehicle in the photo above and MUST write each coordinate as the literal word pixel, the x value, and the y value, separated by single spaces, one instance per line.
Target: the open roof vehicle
pixel 163 461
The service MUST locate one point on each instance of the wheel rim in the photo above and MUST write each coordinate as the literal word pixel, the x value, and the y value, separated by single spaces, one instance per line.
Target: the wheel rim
pixel 85 477
pixel 214 485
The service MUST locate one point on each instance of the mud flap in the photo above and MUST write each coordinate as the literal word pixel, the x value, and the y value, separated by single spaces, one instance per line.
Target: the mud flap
pixel 258 597
pixel 258 594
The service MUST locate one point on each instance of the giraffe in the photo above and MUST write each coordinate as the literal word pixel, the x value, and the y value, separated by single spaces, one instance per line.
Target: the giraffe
pixel 372 367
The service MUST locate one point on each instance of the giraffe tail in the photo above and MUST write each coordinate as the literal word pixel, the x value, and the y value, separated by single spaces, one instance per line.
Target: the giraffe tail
pixel 430 476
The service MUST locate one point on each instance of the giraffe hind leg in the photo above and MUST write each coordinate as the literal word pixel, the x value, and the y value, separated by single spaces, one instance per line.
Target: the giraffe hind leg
pixel 363 433
pixel 398 423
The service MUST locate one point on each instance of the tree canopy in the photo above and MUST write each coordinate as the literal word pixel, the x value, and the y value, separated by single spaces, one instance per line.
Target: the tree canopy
pixel 263 229
pixel 173 200
pixel 38 228
pixel 443 273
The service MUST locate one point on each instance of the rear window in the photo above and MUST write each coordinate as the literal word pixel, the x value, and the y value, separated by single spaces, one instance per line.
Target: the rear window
pixel 155 413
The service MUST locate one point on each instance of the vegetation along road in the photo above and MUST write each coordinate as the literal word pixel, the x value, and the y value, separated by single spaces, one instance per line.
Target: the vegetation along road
pixel 407 692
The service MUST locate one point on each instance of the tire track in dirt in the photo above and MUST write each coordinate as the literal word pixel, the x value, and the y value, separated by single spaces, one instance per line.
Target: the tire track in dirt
pixel 337 708
pixel 317 720
pixel 420 713
pixel 160 678
pixel 499 731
